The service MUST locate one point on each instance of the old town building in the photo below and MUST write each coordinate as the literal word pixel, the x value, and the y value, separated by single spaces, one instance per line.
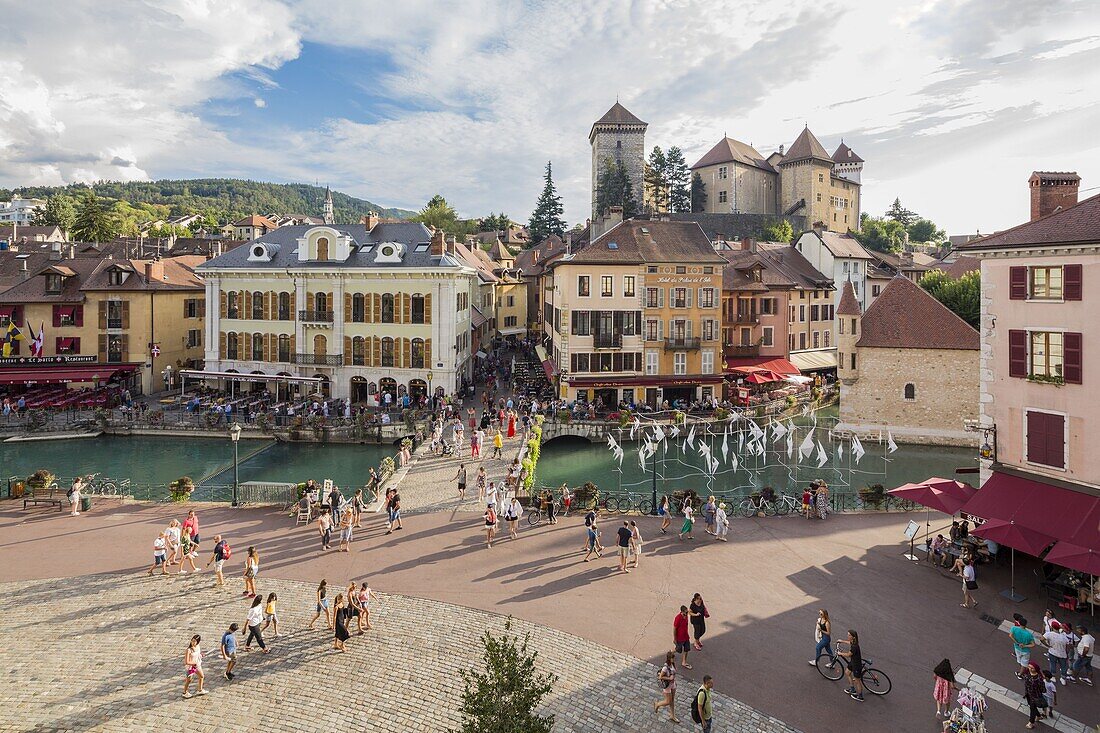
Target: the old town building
pixel 839 257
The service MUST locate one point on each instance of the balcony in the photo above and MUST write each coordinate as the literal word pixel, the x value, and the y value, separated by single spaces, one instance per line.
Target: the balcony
pixel 682 344
pixel 607 341
pixel 731 351
pixel 746 319
pixel 319 359
pixel 315 316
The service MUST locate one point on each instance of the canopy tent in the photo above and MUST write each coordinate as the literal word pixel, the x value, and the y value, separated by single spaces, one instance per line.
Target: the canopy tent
pixel 748 365
pixel 1074 557
pixel 64 374
pixel 943 495
pixel 809 361
pixel 1014 536
pixel 763 376
pixel 237 377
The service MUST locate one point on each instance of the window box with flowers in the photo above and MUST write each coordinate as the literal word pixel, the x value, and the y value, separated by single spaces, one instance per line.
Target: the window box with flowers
pixel 1055 379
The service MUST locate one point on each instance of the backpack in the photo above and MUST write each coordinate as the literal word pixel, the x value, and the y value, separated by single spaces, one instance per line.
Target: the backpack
pixel 227 551
pixel 492 518
pixel 696 708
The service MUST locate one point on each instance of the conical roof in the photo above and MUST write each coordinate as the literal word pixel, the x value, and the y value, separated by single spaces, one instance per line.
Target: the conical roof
pixel 845 154
pixel 849 306
pixel 806 146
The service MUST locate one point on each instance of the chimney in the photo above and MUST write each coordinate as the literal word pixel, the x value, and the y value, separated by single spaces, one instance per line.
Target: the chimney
pixel 781 149
pixel 72 251
pixel 55 252
pixel 369 220
pixel 438 247
pixel 748 244
pixel 154 270
pixel 906 259
pixel 818 228
pixel 23 271
pixel 1051 191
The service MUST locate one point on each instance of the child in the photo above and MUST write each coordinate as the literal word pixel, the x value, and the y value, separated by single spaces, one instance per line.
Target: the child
pixel 807 502
pixel 1051 694
pixel 271 618
pixel 229 651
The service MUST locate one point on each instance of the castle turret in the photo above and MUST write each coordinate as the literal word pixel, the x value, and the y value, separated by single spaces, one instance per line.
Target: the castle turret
pixel 618 138
pixel 847 325
pixel 847 164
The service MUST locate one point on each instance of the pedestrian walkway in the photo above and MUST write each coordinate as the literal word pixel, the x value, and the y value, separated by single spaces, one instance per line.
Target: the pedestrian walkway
pixel 1004 696
pixel 106 654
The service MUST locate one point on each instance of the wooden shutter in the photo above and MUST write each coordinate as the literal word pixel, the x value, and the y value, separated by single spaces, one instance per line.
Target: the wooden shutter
pixel 660 297
pixel 1017 283
pixel 1072 282
pixel 102 315
pixel 222 304
pixel 246 311
pixel 428 352
pixel 1017 353
pixel 56 316
pixel 186 302
pixel 78 315
pixel 125 314
pixel 102 348
pixel 124 342
pixel 406 349
pixel 347 308
pixel 428 308
pixel 242 305
pixel 202 308
pixel 221 345
pixel 1046 439
pixel 347 350
pixel 1071 364
pixel 406 310
pixel 377 298
pixel 293 346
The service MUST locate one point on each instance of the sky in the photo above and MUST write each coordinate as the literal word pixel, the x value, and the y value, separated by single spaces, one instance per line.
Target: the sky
pixel 952 103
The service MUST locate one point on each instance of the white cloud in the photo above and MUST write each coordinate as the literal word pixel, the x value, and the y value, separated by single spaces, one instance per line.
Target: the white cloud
pixel 952 105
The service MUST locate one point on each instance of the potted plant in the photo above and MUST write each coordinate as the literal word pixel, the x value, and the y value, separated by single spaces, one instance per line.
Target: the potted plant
pixel 873 495
pixel 565 416
pixel 181 488
pixel 40 480
pixel 583 494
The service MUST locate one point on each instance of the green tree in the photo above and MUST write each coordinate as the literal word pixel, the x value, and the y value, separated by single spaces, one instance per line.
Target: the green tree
pixel 439 214
pixel 93 222
pixel 779 230
pixel 962 295
pixel 58 212
pixel 925 230
pixel 900 214
pixel 613 188
pixel 883 235
pixel 698 194
pixel 679 180
pixel 546 219
pixel 656 181
pixel 503 697
pixel 494 222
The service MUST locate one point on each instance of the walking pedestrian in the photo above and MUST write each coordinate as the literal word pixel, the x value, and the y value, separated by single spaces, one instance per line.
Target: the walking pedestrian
pixel 159 555
pixel 710 511
pixel 823 635
pixel 345 531
pixel 1082 665
pixel 854 655
pixel 355 611
pixel 498 445
pixel 944 678
pixel 172 542
pixel 271 615
pixel 1057 642
pixel 635 542
pixel 191 527
pixel 701 710
pixel 624 546
pixel 366 595
pixel 220 554
pixel 566 499
pixel 491 494
pixel 698 614
pixel 689 520
pixel 74 497
pixel 822 499
pixel 481 482
pixel 680 638
pixel 393 508
pixel 322 605
pixel 251 570
pixel 229 651
pixel 807 502
pixel 665 512
pixel 667 677
pixel 340 623
pixel 253 619
pixel 460 477
pixel 358 504
pixel 1022 642
pixel 192 662
pixel 546 503
pixel 1050 694
pixel 970 584
pixel 188 553
pixel 490 517
pixel 324 527
pixel 1034 693
pixel 512 513
pixel 721 523
pixel 335 499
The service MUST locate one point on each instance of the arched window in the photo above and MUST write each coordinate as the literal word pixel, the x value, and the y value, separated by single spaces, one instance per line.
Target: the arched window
pixel 387 351
pixel 284 347
pixel 231 305
pixel 358 308
pixel 231 346
pixel 320 345
pixel 322 248
pixel 418 308
pixel 358 351
pixel 284 306
pixel 387 308
pixel 257 346
pixel 320 302
pixel 258 306
pixel 418 353
pixel 910 392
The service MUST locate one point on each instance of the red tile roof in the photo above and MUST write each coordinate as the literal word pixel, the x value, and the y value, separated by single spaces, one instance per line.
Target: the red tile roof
pixel 729 150
pixel 905 316
pixel 1079 223
pixel 806 146
pixel 849 306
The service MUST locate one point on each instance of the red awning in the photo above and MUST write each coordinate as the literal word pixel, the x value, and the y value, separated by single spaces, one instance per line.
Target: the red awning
pixel 1051 510
pixel 644 381
pixel 779 366
pixel 60 375
pixel 7 310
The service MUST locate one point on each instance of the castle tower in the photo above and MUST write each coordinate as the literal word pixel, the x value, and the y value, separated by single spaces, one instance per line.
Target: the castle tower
pixel 329 213
pixel 847 163
pixel 847 324
pixel 805 180
pixel 618 136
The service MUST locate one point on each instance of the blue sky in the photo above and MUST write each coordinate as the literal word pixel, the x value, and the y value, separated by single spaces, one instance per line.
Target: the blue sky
pixel 952 105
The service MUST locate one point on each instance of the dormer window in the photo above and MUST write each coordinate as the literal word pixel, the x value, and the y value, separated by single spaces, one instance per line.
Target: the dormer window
pixel 390 252
pixel 53 283
pixel 115 277
pixel 322 248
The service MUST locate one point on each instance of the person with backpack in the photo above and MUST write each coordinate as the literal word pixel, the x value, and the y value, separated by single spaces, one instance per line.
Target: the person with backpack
pixel 666 675
pixel 74 497
pixel 490 517
pixel 701 710
pixel 221 553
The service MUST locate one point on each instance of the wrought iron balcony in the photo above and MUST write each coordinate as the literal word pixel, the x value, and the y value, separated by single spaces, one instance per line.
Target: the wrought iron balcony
pixel 319 359
pixel 315 316
pixel 731 351
pixel 607 341
pixel 682 343
pixel 742 317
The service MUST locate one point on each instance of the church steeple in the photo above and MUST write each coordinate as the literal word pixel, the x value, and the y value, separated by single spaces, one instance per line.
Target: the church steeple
pixel 329 213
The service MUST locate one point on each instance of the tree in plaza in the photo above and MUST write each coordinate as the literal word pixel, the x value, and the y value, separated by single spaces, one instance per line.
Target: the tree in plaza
pixel 900 214
pixel 613 188
pixel 962 296
pixel 503 697
pixel 93 223
pixel 679 180
pixel 655 178
pixel 546 219
pixel 698 194
pixel 58 212
pixel 779 230
pixel 925 230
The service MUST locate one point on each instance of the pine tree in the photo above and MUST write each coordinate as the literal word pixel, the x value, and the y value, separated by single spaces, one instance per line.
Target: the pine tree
pixel 655 180
pixel 698 195
pixel 900 214
pixel 679 180
pixel 614 189
pixel 93 223
pixel 57 212
pixel 503 698
pixel 546 219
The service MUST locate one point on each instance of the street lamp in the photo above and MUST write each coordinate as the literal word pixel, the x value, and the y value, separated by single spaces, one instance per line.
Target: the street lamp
pixel 235 436
pixel 431 394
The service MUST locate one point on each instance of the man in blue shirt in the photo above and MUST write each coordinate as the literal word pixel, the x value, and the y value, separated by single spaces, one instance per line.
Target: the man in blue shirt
pixel 1022 641
pixel 229 650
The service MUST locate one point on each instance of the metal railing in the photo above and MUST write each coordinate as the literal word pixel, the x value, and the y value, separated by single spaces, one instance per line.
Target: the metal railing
pixel 607 340
pixel 312 316
pixel 730 350
pixel 746 318
pixel 682 343
pixel 319 359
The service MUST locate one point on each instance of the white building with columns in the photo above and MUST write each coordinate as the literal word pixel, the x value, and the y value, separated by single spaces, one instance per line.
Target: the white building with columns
pixel 368 311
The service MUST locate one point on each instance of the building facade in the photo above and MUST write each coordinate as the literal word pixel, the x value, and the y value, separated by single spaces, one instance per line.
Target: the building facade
pixel 20 211
pixel 369 312
pixel 618 137
pixel 839 257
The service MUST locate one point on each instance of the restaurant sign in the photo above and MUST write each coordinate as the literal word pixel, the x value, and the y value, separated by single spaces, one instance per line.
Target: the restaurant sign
pixel 23 361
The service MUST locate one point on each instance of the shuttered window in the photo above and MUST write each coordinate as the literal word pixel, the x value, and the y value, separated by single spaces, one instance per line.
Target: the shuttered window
pixel 1072 282
pixel 1017 283
pixel 1046 439
pixel 1017 353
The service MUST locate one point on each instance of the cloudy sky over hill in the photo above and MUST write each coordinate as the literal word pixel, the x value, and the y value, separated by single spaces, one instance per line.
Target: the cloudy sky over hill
pixel 952 102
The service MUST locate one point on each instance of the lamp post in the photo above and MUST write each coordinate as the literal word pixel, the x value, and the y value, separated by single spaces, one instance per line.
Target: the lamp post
pixel 431 394
pixel 235 436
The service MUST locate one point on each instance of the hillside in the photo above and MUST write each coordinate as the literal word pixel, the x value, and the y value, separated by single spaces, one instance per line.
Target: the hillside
pixel 223 199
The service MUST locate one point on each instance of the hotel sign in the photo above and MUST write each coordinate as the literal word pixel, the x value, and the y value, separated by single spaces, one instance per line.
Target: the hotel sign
pixel 683 279
pixel 47 360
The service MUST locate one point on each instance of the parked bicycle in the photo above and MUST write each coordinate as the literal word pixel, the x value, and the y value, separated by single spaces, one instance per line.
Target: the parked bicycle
pixel 770 505
pixel 630 501
pixel 535 514
pixel 95 485
pixel 832 666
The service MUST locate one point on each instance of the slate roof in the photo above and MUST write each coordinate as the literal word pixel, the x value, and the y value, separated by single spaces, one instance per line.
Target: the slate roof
pixel 804 147
pixel 640 240
pixel 410 234
pixel 11 266
pixel 920 263
pixel 618 115
pixel 782 267
pixel 32 233
pixel 960 266
pixel 729 150
pixel 849 306
pixel 905 316
pixel 1079 223
pixel 845 154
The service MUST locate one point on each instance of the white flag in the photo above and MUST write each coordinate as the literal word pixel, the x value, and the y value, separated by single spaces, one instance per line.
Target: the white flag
pixel 891 446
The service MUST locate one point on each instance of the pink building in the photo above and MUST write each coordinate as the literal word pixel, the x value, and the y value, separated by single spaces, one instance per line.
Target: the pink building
pixel 1040 380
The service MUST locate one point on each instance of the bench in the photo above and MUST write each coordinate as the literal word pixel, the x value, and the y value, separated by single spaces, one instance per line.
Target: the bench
pixel 51 495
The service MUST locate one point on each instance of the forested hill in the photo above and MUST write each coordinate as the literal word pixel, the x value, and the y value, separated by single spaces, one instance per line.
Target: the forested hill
pixel 220 199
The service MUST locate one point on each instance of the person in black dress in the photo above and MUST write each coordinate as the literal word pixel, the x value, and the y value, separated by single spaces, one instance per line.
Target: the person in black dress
pixel 697 612
pixel 340 617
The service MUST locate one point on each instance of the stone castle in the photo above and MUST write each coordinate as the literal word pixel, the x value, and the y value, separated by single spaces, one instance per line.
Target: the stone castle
pixel 618 137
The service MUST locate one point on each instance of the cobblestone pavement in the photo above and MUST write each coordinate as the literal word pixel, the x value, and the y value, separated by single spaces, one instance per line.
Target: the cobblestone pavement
pixel 105 653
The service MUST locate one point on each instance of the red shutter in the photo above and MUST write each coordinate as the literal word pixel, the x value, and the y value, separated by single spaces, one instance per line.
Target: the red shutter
pixel 1071 282
pixel 1017 283
pixel 78 315
pixel 1071 363
pixel 56 316
pixel 1017 353
pixel 1036 437
pixel 1046 439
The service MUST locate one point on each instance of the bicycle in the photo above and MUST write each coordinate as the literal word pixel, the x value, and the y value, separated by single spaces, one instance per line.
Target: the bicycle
pixel 832 666
pixel 99 486
pixel 630 502
pixel 785 505
pixel 752 506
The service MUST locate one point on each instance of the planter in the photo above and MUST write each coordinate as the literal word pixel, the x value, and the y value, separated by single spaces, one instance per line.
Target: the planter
pixel 17 490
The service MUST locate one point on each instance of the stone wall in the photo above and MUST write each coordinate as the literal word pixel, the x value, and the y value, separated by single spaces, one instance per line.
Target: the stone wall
pixel 946 394
pixel 624 143
pixel 734 227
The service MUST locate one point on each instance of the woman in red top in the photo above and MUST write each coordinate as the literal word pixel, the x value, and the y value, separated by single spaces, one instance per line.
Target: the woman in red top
pixel 511 424
pixel 191 527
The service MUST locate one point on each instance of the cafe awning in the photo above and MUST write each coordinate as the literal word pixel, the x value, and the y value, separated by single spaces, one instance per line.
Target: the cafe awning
pixel 477 317
pixel 238 377
pixel 548 365
pixel 1061 513
pixel 809 361
pixel 779 366
pixel 64 374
